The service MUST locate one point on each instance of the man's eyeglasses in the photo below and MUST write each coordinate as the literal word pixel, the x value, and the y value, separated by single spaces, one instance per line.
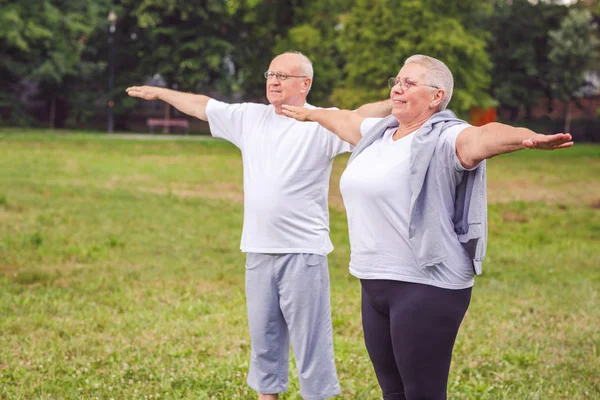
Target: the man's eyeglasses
pixel 281 76
pixel 406 83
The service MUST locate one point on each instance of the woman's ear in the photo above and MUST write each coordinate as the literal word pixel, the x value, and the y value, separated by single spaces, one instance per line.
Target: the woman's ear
pixel 437 98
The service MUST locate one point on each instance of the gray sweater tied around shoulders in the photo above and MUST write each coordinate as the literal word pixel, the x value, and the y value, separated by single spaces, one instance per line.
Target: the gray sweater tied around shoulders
pixel 426 208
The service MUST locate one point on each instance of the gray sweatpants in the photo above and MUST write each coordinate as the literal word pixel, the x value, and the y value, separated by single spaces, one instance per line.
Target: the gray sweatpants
pixel 288 299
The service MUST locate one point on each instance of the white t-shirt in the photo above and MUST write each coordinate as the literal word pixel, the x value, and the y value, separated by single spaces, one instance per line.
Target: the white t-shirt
pixel 376 192
pixel 287 165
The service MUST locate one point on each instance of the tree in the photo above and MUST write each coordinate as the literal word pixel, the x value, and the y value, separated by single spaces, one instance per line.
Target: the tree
pixel 42 46
pixel 186 43
pixel 377 37
pixel 519 51
pixel 215 46
pixel 573 49
pixel 15 47
pixel 61 66
pixel 314 31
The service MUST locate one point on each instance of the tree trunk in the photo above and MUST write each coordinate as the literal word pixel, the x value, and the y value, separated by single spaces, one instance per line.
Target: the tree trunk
pixel 167 117
pixel 52 112
pixel 514 113
pixel 567 117
pixel 528 113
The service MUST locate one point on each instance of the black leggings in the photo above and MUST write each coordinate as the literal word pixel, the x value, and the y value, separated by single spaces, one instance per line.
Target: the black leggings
pixel 410 330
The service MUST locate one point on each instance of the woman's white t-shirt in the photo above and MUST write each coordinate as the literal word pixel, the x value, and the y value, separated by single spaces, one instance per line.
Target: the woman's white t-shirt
pixel 376 192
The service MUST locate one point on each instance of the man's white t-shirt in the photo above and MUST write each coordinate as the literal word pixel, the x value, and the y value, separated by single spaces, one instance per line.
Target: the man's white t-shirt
pixel 376 192
pixel 287 165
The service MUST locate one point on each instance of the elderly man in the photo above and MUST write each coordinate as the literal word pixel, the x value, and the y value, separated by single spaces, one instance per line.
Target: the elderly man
pixel 287 165
pixel 414 191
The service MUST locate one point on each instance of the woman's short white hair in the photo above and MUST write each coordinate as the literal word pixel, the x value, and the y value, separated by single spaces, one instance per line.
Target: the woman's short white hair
pixel 305 65
pixel 438 74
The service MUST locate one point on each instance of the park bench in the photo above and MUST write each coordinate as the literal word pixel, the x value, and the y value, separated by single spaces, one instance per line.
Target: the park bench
pixel 177 122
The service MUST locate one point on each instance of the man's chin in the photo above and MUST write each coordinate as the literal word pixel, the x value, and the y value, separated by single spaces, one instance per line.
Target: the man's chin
pixel 275 102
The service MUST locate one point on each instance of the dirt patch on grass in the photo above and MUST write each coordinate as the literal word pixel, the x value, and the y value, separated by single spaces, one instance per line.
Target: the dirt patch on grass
pixel 222 191
pixel 506 191
pixel 134 179
pixel 335 200
pixel 498 192
pixel 26 275
pixel 214 190
pixel 514 217
pixel 167 160
pixel 501 191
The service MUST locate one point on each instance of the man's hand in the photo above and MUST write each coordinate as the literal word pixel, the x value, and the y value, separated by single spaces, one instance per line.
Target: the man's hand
pixel 187 103
pixel 143 92
pixel 299 113
pixel 549 142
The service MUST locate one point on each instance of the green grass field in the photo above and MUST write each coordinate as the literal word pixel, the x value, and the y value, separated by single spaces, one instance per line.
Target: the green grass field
pixel 121 276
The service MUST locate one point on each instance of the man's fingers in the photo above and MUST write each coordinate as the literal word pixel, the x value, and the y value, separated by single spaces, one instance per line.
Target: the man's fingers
pixel 141 94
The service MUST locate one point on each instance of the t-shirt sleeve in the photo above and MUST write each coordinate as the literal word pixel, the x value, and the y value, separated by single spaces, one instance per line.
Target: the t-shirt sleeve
pixel 226 120
pixel 447 145
pixel 334 146
pixel 368 124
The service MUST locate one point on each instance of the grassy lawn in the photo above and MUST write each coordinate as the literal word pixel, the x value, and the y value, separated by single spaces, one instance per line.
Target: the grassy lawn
pixel 121 275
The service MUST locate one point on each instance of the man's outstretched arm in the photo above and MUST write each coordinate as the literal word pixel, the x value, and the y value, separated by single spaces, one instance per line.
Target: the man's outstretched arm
pixel 188 103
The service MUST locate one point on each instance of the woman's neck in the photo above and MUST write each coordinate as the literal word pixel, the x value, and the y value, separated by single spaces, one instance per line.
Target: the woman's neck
pixel 406 128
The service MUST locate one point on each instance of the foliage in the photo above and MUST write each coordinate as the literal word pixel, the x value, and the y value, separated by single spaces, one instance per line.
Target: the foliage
pixel 574 47
pixel 394 31
pixel 315 28
pixel 54 53
pixel 42 47
pixel 519 51
pixel 183 41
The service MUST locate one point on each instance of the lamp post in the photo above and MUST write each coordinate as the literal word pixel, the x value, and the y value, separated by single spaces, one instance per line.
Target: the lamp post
pixel 112 20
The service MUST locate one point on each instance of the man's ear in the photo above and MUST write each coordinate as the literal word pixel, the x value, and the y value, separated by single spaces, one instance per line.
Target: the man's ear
pixel 306 83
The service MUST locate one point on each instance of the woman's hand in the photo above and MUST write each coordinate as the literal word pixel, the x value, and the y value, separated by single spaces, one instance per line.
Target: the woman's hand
pixel 298 113
pixel 549 142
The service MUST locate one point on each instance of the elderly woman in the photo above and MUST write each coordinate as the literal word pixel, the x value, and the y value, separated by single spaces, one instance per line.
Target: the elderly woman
pixel 415 196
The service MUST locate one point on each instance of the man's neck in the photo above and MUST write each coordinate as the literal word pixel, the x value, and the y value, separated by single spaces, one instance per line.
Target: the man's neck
pixel 278 109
